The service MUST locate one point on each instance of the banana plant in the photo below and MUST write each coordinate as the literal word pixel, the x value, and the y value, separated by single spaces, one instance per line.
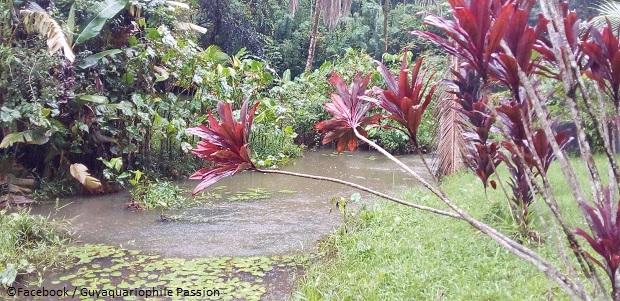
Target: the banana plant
pixel 107 10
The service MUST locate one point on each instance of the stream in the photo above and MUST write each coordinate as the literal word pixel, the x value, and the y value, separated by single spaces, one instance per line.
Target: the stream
pixel 247 217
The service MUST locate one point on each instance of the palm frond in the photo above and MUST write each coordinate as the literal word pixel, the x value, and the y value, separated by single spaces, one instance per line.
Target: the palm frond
pixel 37 20
pixel 333 10
pixel 451 145
pixel 609 10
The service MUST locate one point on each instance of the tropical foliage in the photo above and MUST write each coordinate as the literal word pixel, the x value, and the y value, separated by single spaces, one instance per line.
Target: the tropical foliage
pixel 495 43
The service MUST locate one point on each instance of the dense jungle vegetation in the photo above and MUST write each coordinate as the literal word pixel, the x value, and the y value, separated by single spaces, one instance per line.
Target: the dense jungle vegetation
pixel 113 85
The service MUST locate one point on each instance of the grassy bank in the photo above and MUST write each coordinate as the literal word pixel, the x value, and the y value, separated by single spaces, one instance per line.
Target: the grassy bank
pixel 389 252
pixel 29 244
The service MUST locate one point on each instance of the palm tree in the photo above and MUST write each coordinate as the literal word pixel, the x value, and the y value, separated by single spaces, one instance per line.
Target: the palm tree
pixel 387 7
pixel 331 10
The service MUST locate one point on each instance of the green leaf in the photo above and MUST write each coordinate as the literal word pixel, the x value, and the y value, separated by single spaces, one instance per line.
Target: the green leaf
pixel 95 58
pixel 153 34
pixel 107 10
pixel 117 163
pixel 71 24
pixel 97 99
pixel 8 275
pixel 133 41
pixel 37 136
pixel 127 78
pixel 126 107
pixel 114 163
pixel 11 139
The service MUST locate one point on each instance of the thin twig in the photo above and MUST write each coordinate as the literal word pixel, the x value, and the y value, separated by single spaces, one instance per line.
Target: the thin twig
pixel 362 188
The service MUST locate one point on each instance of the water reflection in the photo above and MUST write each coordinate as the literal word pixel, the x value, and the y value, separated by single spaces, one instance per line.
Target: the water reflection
pixel 294 218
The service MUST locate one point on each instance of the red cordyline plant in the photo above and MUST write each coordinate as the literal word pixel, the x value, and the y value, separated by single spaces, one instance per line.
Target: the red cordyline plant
pixel 492 52
pixel 479 119
pixel 571 26
pixel 606 228
pixel 224 143
pixel 349 112
pixel 405 100
pixel 475 33
pixel 603 59
pixel 521 39
pixel 524 145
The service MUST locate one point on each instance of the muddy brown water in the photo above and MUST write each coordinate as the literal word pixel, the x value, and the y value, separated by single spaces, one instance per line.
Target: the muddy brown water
pixel 294 218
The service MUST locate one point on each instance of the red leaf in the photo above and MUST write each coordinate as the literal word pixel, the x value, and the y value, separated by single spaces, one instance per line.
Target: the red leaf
pixel 606 236
pixel 349 109
pixel 224 143
pixel 476 31
pixel 407 104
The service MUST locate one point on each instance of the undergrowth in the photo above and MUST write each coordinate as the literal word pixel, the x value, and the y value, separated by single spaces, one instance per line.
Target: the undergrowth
pixel 30 244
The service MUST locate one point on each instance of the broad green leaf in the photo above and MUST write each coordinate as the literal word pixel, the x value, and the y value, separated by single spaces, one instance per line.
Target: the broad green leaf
pixel 114 163
pixel 132 41
pixel 95 58
pixel 107 10
pixel 126 107
pixel 136 178
pixel 117 162
pixel 71 24
pixel 127 78
pixel 97 99
pixel 29 137
pixel 8 274
pixel 11 139
pixel 80 173
pixel 153 34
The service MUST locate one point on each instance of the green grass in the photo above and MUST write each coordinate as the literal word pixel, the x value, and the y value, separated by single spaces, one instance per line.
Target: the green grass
pixel 30 244
pixel 391 252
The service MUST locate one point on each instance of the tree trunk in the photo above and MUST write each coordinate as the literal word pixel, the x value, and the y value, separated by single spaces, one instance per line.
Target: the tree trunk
pixel 217 22
pixel 313 35
pixel 386 15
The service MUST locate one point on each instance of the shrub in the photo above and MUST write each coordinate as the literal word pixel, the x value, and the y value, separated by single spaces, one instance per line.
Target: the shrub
pixel 158 195
pixel 273 146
